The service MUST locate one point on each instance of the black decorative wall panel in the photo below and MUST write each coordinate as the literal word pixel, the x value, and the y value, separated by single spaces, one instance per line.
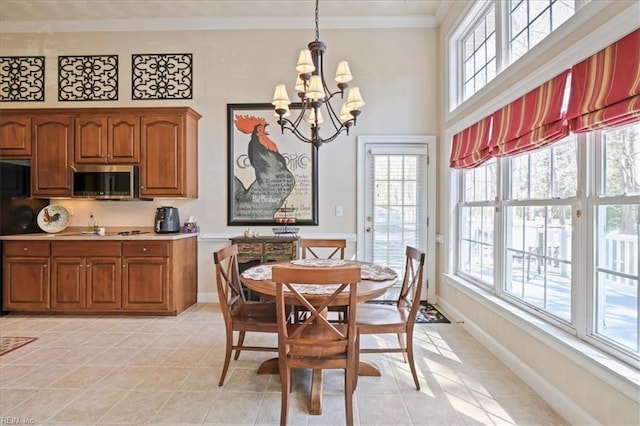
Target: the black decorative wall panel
pixel 21 78
pixel 88 78
pixel 162 76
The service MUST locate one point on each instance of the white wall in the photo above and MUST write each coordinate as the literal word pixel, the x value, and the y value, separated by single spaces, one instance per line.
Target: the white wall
pixel 395 69
pixel 582 384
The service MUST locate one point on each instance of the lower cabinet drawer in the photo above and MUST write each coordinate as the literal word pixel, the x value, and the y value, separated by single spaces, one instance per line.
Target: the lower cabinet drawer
pixel 26 248
pixel 146 248
pixel 86 248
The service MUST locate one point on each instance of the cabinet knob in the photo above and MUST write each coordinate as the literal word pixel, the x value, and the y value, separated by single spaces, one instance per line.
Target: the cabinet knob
pixel 82 266
pixel 124 266
pixel 45 265
pixel 144 249
pixel 25 249
pixel 89 266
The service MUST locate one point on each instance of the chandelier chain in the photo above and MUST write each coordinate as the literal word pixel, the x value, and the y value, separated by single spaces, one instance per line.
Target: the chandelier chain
pixel 317 30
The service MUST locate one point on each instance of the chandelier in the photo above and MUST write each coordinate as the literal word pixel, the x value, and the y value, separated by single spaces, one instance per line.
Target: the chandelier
pixel 316 97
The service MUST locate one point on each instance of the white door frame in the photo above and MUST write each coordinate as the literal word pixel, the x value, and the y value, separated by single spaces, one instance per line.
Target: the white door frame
pixel 430 141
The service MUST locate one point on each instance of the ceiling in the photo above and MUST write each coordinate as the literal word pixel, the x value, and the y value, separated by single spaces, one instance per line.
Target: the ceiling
pixel 74 15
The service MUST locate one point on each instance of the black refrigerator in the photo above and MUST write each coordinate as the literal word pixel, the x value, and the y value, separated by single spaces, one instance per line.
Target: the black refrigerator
pixel 18 211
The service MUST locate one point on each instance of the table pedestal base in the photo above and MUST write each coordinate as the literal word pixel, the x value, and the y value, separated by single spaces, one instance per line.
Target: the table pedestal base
pixel 271 366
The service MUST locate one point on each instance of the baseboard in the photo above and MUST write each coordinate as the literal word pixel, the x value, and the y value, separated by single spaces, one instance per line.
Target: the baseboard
pixel 562 404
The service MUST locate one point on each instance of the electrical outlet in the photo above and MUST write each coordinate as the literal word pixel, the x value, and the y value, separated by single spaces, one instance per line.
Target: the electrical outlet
pixel 339 211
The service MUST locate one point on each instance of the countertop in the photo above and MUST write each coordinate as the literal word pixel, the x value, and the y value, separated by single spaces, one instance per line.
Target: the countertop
pixel 71 234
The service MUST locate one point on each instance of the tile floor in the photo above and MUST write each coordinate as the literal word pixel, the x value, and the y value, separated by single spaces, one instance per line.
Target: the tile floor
pixel 165 370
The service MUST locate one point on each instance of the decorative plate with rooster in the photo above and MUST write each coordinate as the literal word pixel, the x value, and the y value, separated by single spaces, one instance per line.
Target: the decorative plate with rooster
pixel 53 218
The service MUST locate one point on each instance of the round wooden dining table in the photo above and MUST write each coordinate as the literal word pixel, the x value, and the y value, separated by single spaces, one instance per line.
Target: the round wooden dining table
pixel 374 282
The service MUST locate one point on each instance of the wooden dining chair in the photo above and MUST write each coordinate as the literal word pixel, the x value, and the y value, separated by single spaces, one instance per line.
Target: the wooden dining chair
pixel 323 248
pixel 316 343
pixel 399 318
pixel 239 314
pixel 319 247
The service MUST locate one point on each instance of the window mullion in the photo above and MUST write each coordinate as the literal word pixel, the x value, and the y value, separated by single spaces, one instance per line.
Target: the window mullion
pixel 502 35
pixel 582 287
pixel 498 225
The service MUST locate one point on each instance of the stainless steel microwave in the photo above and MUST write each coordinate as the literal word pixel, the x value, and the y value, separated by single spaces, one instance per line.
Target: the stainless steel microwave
pixel 117 182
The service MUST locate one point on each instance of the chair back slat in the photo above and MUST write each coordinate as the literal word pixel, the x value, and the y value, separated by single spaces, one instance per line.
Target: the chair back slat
pixel 411 290
pixel 317 248
pixel 315 336
pixel 230 293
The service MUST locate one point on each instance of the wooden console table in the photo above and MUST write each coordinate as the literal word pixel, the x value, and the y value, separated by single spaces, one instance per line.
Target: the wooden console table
pixel 255 250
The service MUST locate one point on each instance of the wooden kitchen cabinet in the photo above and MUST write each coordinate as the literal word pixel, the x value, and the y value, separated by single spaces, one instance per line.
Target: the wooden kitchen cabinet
pixel 52 154
pixel 101 277
pixel 159 276
pixel 112 276
pixel 163 141
pixel 15 136
pixel 85 275
pixel 145 278
pixel 107 139
pixel 169 154
pixel 26 275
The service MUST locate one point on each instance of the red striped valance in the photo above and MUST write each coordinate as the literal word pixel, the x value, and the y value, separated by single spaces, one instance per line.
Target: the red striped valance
pixel 605 88
pixel 531 121
pixel 470 147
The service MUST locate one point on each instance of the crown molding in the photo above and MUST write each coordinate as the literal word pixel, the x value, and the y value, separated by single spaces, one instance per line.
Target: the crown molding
pixel 204 24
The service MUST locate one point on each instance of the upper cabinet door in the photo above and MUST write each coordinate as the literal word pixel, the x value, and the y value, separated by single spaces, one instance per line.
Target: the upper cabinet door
pixel 162 155
pixel 52 154
pixel 15 136
pixel 91 140
pixel 107 140
pixel 169 155
pixel 124 139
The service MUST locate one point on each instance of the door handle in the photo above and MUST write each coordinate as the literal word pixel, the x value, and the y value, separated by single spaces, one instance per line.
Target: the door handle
pixel 368 229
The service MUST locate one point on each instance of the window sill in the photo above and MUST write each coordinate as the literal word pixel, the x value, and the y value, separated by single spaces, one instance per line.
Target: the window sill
pixel 618 374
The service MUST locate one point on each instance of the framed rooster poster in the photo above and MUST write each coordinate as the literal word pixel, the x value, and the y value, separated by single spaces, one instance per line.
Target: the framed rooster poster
pixel 272 177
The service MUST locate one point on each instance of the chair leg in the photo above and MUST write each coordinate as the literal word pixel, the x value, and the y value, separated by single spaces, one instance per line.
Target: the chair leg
pixel 356 362
pixel 285 383
pixel 412 364
pixel 348 392
pixel 240 343
pixel 227 357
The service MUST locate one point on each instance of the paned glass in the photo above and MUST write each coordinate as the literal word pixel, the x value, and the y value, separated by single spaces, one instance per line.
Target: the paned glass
pixel 621 151
pixel 538 257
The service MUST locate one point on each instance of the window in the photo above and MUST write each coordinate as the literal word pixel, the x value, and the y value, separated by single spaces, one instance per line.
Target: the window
pixel 539 228
pixel 479 54
pixel 543 199
pixel 554 231
pixel 481 47
pixel 530 21
pixel 476 223
pixel 616 210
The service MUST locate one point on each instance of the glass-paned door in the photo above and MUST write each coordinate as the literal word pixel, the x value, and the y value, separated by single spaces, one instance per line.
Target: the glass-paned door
pixel 396 203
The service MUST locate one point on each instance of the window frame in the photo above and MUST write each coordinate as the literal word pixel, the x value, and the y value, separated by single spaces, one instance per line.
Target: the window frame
pixel 575 203
pixel 496 94
pixel 462 203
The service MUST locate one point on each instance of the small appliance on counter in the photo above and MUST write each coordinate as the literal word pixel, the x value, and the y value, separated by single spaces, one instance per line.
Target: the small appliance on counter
pixel 167 220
